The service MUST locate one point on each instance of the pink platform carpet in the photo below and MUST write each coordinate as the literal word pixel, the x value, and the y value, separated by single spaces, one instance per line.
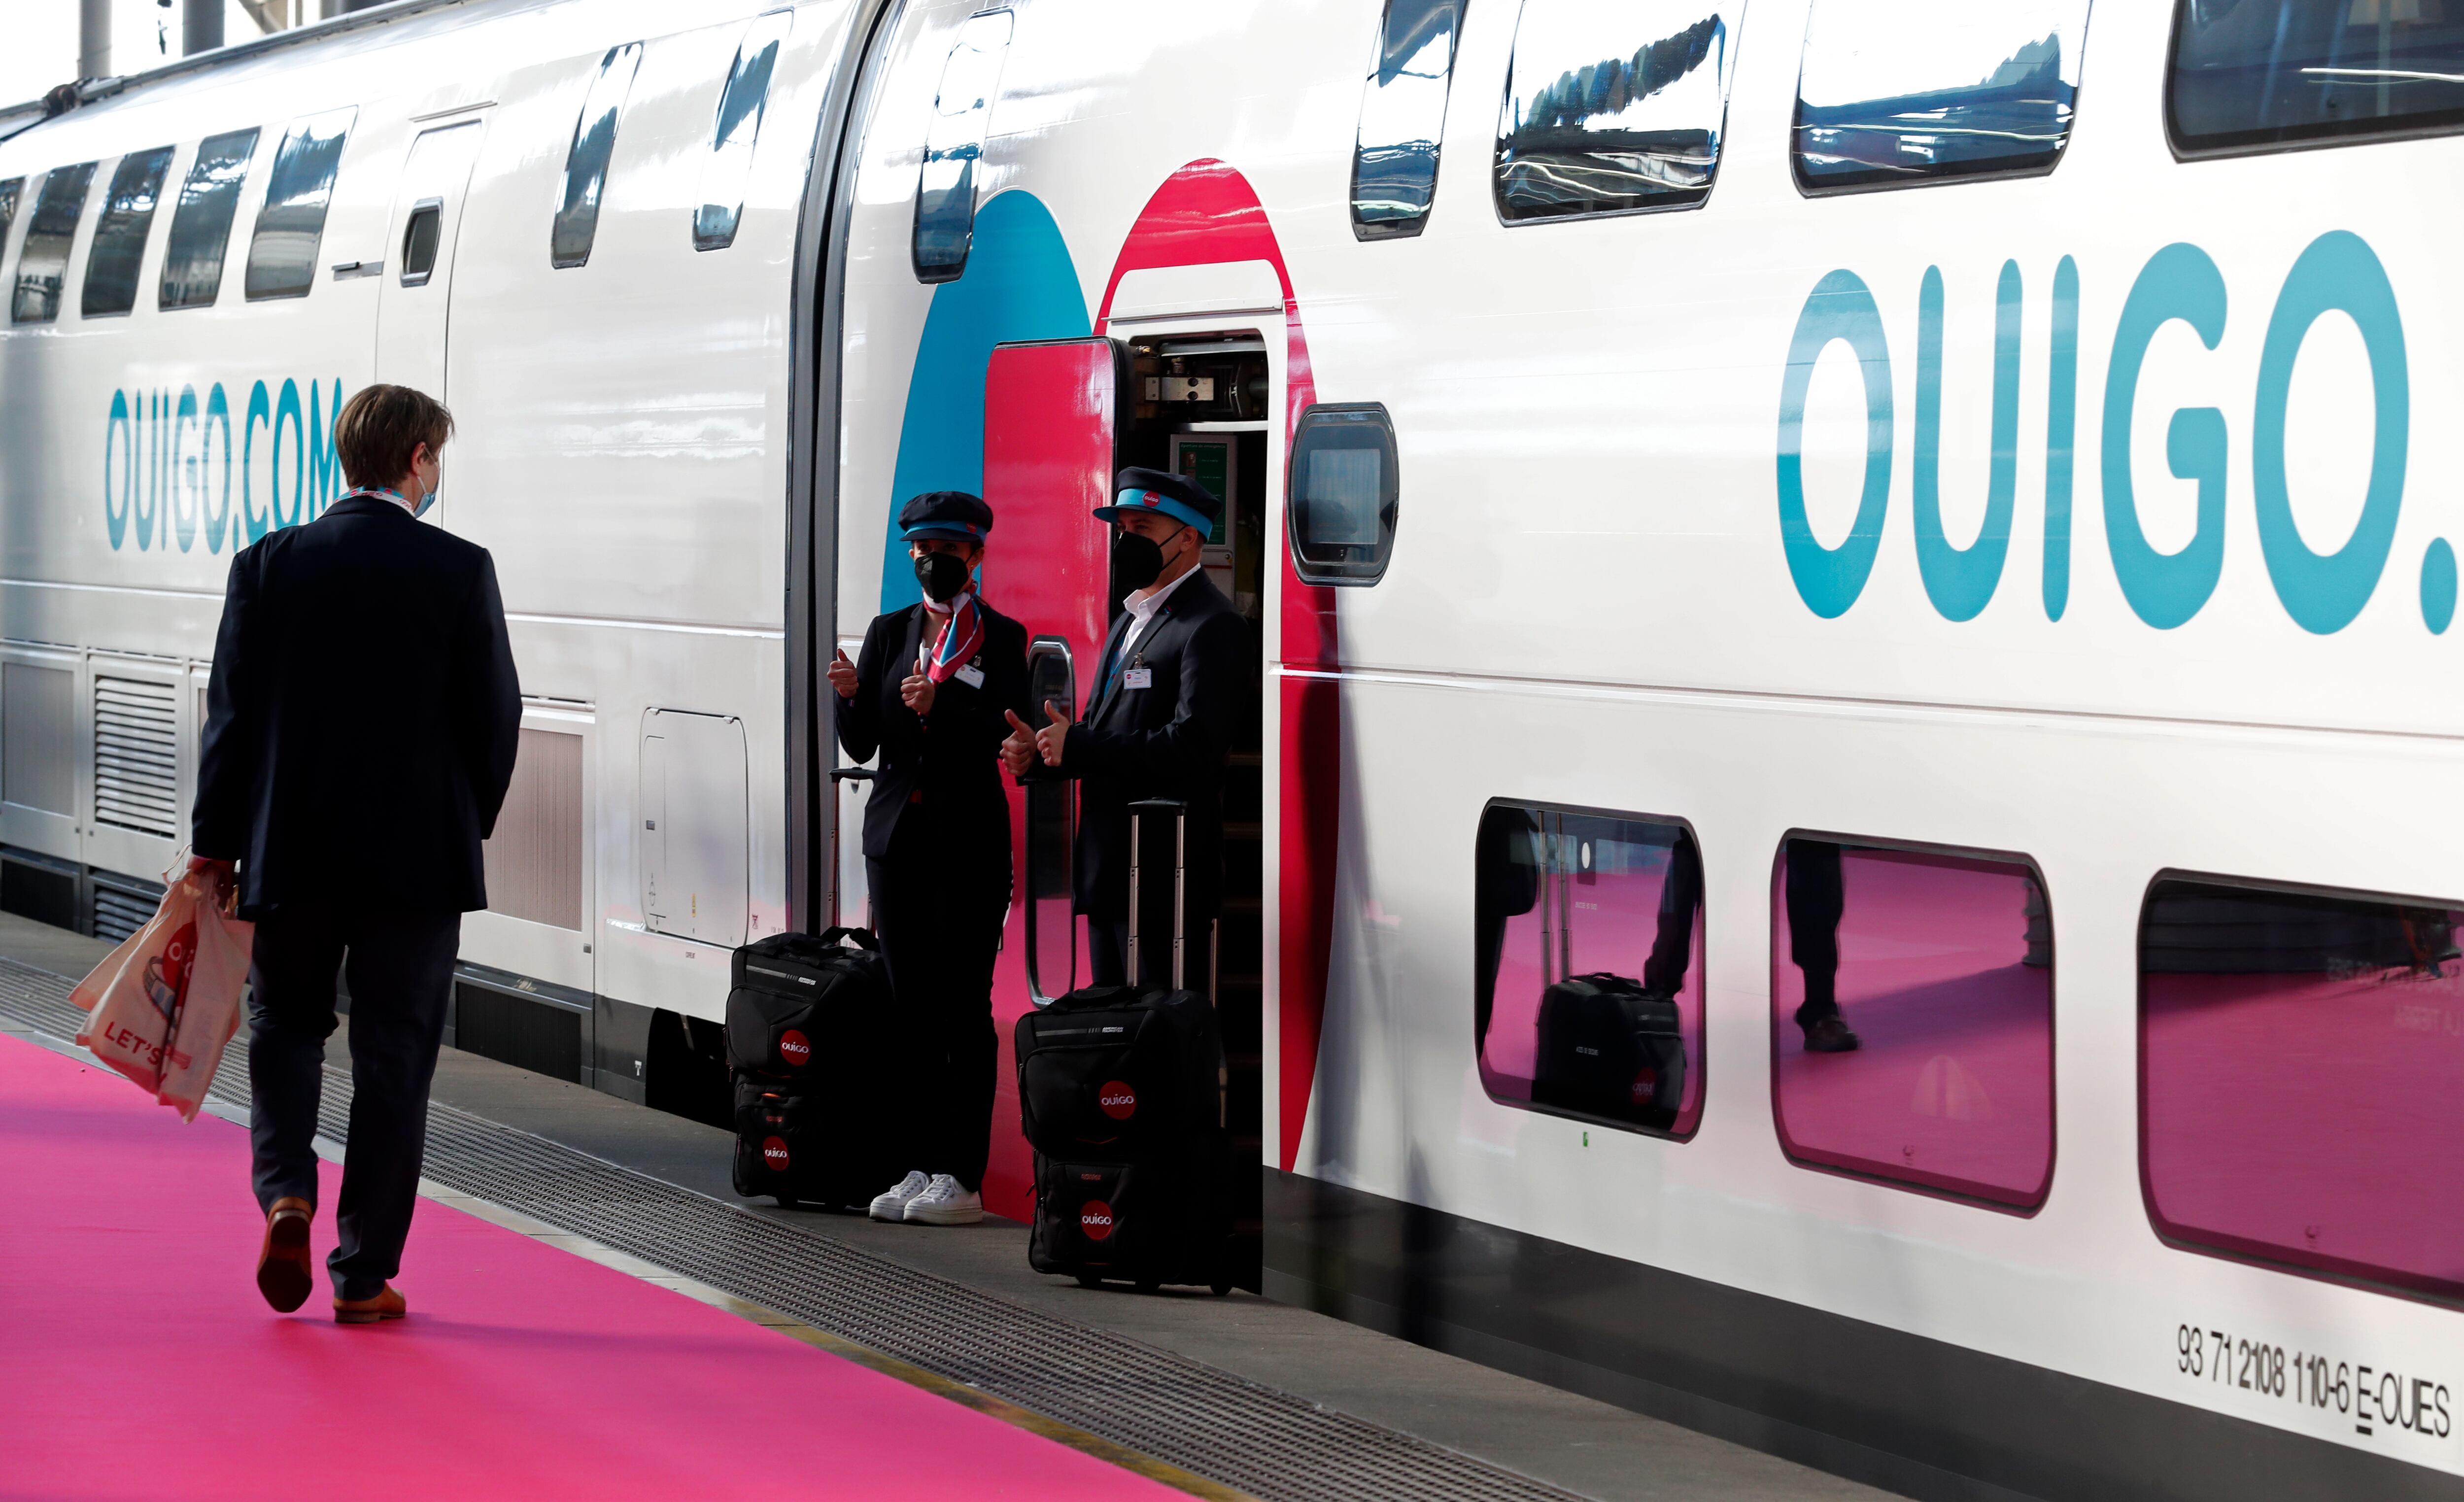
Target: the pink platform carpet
pixel 141 1362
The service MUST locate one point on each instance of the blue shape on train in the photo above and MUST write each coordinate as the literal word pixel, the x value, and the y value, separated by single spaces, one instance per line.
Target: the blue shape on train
pixel 1830 579
pixel 1019 284
pixel 2164 589
pixel 2322 592
pixel 1960 579
pixel 2438 586
pixel 2061 423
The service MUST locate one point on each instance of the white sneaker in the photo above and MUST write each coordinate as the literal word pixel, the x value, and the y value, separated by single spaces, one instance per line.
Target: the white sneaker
pixel 944 1204
pixel 890 1204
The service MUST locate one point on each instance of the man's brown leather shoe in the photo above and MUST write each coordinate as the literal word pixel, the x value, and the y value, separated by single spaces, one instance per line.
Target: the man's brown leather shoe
pixel 284 1271
pixel 388 1305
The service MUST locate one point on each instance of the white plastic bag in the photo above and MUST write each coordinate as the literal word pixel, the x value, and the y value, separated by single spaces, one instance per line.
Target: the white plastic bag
pixel 161 1008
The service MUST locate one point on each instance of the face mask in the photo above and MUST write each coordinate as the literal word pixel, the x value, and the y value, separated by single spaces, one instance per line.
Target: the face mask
pixel 1137 562
pixel 425 502
pixel 941 574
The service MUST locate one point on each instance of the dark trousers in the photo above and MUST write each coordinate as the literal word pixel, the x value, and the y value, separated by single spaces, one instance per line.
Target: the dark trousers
pixel 939 917
pixel 401 972
pixel 1816 900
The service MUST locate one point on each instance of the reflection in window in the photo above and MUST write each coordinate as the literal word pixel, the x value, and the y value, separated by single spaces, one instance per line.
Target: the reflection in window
pixel 962 111
pixel 192 256
pixel 282 252
pixel 1052 818
pixel 1344 495
pixel 1587 966
pixel 118 245
pixel 10 191
pixel 2252 74
pixel 1402 118
pixel 585 161
pixel 2301 1069
pixel 1612 108
pixel 43 261
pixel 1913 1018
pixel 1906 91
pixel 741 107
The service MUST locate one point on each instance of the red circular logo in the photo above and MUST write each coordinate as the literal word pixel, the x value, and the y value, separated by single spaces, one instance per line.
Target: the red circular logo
pixel 1646 1085
pixel 774 1151
pixel 793 1048
pixel 1119 1101
pixel 1095 1219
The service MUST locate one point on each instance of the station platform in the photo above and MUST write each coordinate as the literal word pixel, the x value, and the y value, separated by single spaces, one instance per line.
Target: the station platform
pixel 595 1314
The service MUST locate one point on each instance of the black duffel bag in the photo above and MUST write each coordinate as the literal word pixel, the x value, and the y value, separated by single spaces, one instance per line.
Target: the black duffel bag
pixel 1608 1047
pixel 1111 1073
pixel 801 998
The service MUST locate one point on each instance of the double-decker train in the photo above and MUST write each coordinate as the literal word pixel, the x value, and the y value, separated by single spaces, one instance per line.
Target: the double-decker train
pixel 1846 834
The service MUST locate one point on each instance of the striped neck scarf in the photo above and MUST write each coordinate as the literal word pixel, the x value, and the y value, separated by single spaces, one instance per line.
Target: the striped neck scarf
pixel 963 636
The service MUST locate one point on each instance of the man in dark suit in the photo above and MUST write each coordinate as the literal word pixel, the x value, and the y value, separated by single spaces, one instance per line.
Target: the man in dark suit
pixel 360 727
pixel 1160 713
pixel 930 689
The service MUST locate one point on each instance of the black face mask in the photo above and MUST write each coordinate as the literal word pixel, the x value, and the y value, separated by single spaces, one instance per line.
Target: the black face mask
pixel 1137 562
pixel 941 574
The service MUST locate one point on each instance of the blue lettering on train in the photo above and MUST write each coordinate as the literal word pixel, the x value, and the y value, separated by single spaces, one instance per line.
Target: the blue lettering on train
pixel 2322 592
pixel 169 471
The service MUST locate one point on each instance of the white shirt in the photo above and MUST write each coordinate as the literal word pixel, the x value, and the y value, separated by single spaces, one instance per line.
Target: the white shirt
pixel 1143 606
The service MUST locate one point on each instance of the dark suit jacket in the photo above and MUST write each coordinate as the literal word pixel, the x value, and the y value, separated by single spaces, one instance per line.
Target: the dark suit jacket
pixel 362 717
pixel 948 762
pixel 1165 740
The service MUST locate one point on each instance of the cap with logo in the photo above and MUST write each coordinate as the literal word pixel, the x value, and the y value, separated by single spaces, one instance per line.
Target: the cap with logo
pixel 1177 497
pixel 945 512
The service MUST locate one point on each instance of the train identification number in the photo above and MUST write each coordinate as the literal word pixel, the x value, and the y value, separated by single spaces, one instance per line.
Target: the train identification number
pixel 2373 1397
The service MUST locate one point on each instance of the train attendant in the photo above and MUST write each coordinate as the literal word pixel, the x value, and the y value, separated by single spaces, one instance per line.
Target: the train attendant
pixel 929 691
pixel 1160 711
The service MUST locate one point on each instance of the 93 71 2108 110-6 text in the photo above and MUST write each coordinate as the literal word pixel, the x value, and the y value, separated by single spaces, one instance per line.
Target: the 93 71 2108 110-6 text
pixel 2375 1398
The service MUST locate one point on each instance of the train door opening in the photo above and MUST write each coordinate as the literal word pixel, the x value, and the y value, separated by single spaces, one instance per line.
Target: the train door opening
pixel 418 268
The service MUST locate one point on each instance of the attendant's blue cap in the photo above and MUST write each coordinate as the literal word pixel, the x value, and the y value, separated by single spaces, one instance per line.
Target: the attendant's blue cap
pixel 1184 500
pixel 946 513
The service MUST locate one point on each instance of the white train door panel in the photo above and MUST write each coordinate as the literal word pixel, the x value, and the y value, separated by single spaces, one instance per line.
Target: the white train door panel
pixel 418 270
pixel 696 858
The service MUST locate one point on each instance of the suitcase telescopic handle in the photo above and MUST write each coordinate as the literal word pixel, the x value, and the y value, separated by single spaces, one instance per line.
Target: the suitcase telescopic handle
pixel 862 939
pixel 1178 812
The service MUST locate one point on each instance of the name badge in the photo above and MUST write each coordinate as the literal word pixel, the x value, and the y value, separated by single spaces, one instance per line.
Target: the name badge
pixel 971 676
pixel 1139 678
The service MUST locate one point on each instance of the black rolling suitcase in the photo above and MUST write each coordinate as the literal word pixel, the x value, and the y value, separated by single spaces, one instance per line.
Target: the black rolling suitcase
pixel 804 1021
pixel 1608 1047
pixel 1121 1093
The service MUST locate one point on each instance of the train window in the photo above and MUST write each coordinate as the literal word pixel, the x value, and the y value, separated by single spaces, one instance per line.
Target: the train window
pixel 10 190
pixel 741 107
pixel 1344 494
pixel 1893 93
pixel 1612 108
pixel 962 111
pixel 1402 119
pixel 1913 1018
pixel 1587 966
pixel 2262 75
pixel 282 251
pixel 43 261
pixel 201 224
pixel 119 233
pixel 585 161
pixel 2302 1077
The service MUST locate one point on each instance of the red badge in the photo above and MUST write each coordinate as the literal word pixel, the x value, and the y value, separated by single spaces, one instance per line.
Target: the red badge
pixel 1095 1219
pixel 1646 1085
pixel 793 1048
pixel 774 1153
pixel 1119 1101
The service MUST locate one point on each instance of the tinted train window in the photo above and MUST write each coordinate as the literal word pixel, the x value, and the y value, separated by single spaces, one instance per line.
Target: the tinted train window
pixel 1913 1018
pixel 1403 118
pixel 962 111
pixel 2250 74
pixel 118 245
pixel 201 224
pixel 282 252
pixel 9 194
pixel 1587 966
pixel 1612 108
pixel 1897 92
pixel 43 261
pixel 585 161
pixel 740 106
pixel 2301 1075
pixel 1344 495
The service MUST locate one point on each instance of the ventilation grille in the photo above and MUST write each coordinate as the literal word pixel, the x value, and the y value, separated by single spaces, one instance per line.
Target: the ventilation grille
pixel 533 860
pixel 121 911
pixel 137 755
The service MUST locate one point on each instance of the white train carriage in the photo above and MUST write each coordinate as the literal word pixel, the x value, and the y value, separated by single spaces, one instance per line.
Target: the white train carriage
pixel 1846 839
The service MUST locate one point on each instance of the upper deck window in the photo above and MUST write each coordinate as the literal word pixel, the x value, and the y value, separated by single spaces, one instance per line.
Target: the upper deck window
pixel 43 263
pixel 1899 92
pixel 118 245
pixel 2258 75
pixel 201 224
pixel 1613 108
pixel 1402 118
pixel 962 112
pixel 575 224
pixel 282 254
pixel 738 125
pixel 9 194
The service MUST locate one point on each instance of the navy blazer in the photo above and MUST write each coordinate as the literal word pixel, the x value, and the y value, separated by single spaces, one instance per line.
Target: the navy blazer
pixel 362 717
pixel 948 760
